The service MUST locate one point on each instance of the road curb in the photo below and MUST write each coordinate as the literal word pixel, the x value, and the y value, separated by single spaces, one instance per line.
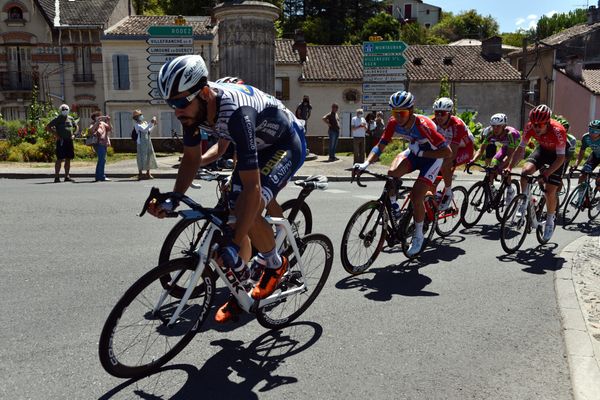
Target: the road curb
pixel 583 362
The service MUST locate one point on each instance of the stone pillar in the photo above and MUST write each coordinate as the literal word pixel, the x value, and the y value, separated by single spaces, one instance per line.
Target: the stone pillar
pixel 246 38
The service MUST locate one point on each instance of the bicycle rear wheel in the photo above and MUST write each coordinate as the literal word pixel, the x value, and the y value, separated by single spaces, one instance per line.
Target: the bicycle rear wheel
pixel 594 208
pixel 429 226
pixel 449 220
pixel 363 237
pixel 136 339
pixel 574 204
pixel 501 206
pixel 540 214
pixel 302 223
pixel 317 258
pixel 563 192
pixel 514 227
pixel 182 241
pixel 477 202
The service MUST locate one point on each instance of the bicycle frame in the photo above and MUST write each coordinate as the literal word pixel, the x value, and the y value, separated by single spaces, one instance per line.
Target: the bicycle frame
pixel 204 251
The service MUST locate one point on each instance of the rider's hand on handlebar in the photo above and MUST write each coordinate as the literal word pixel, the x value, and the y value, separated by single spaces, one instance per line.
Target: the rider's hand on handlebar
pixel 160 210
pixel 362 166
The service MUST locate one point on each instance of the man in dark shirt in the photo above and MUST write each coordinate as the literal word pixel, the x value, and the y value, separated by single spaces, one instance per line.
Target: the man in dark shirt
pixel 64 128
pixel 333 122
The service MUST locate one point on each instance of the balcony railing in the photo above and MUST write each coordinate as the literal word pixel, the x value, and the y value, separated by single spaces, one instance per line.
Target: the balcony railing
pixel 83 78
pixel 16 81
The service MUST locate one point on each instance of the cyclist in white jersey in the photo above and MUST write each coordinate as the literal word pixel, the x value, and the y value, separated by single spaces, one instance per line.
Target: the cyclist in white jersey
pixel 270 148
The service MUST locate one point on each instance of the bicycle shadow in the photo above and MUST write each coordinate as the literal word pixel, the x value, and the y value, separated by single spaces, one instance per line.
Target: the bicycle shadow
pixel 538 260
pixel 402 279
pixel 234 372
pixel 583 227
pixel 486 231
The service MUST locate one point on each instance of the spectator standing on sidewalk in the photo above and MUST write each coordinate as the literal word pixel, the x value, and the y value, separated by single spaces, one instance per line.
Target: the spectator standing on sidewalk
pixel 64 128
pixel 370 118
pixel 359 130
pixel 379 127
pixel 333 122
pixel 303 112
pixel 100 128
pixel 146 159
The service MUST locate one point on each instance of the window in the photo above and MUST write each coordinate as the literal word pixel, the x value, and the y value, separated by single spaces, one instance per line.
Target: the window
pixel 120 71
pixel 282 88
pixel 168 121
pixel 83 65
pixel 427 12
pixel 85 115
pixel 19 68
pixel 15 14
pixel 13 113
pixel 122 124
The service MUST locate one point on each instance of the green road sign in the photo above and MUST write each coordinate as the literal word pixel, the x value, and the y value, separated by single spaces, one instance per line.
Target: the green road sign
pixel 383 47
pixel 170 30
pixel 384 61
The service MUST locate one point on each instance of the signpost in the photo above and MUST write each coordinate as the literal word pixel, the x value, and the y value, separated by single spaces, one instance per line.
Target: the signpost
pixel 164 44
pixel 383 72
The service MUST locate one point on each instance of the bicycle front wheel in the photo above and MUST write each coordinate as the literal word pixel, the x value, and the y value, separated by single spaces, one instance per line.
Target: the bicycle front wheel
pixel 316 253
pixel 136 338
pixel 449 220
pixel 515 224
pixel 563 191
pixel 302 223
pixel 477 202
pixel 363 237
pixel 574 204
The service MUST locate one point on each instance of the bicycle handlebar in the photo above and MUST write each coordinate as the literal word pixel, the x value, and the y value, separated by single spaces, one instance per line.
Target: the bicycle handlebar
pixel 356 173
pixel 207 175
pixel 157 196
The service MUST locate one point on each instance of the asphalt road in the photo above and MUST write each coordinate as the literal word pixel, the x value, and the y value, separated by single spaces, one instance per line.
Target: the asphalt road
pixel 466 323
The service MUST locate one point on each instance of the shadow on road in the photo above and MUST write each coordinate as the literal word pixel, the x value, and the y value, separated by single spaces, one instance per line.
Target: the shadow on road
pixel 232 373
pixel 587 227
pixel 537 260
pixel 487 232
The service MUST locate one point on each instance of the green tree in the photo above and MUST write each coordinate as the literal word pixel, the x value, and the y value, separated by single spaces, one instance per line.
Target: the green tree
pixel 548 26
pixel 444 87
pixel 515 38
pixel 466 25
pixel 383 24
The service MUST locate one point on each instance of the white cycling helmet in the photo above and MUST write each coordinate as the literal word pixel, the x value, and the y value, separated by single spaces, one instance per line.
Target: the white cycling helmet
pixel 182 74
pixel 498 119
pixel 402 99
pixel 443 104
pixel 230 79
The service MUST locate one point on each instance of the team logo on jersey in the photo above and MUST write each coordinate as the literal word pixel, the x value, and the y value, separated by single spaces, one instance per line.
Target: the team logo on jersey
pixel 249 90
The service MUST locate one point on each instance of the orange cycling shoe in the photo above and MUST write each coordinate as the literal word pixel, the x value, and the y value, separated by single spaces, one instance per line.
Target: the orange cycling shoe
pixel 229 310
pixel 269 280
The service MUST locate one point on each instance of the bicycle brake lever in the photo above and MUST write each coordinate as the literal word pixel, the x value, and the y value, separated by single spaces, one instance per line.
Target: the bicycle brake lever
pixel 154 192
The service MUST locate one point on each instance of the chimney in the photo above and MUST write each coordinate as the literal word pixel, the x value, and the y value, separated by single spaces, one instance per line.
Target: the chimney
pixel 593 14
pixel 300 45
pixel 574 68
pixel 491 48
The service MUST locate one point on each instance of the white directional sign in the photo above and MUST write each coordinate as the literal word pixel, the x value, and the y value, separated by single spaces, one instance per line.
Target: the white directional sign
pixel 375 98
pixel 154 67
pixel 170 50
pixel 153 76
pixel 152 84
pixel 159 59
pixel 373 88
pixel 385 78
pixel 170 41
pixel 384 71
pixel 155 94
pixel 157 101
pixel 376 107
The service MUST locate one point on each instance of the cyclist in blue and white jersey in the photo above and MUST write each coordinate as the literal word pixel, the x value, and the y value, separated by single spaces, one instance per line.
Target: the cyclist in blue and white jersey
pixel 270 147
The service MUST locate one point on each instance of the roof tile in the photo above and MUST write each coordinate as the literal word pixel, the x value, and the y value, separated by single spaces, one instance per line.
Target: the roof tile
pixel 137 25
pixel 79 12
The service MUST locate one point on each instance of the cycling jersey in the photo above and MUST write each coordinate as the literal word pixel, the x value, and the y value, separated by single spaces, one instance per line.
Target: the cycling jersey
pixel 423 132
pixel 253 120
pixel 456 132
pixel 554 140
pixel 509 138
pixel 586 141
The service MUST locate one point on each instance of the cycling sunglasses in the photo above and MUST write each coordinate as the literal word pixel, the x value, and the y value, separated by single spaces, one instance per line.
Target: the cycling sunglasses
pixel 540 125
pixel 594 131
pixel 401 112
pixel 182 102
pixel 440 112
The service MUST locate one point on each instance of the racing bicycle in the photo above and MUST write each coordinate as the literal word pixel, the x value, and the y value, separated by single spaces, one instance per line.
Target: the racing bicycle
pixel 582 197
pixel 154 321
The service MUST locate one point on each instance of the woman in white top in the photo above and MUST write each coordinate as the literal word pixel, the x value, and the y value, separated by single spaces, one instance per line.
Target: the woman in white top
pixel 146 159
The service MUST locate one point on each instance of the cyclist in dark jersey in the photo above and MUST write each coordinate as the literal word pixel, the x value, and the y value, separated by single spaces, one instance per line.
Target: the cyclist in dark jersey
pixel 270 148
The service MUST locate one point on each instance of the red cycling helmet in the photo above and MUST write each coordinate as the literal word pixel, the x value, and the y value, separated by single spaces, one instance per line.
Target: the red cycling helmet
pixel 540 114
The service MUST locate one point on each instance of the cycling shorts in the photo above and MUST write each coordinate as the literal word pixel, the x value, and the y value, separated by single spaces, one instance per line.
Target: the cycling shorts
pixel 490 150
pixel 464 154
pixel 277 164
pixel 428 167
pixel 541 157
pixel 591 163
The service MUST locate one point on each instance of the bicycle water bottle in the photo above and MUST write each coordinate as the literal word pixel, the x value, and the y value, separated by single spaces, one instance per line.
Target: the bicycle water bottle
pixel 396 210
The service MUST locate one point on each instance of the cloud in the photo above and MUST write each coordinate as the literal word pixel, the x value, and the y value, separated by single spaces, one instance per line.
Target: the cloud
pixel 532 17
pixel 520 21
pixel 549 14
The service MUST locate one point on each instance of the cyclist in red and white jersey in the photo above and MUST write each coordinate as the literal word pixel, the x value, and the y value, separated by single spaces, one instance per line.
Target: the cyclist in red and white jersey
pixel 458 137
pixel 552 146
pixel 425 152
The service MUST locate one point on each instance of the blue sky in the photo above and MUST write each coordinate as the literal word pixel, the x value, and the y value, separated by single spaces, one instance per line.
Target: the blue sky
pixel 512 14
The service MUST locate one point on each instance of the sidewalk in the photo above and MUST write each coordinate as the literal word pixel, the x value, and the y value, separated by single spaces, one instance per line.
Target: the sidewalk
pixel 577 282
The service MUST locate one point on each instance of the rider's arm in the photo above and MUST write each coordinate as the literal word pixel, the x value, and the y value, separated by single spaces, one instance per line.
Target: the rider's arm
pixel 509 153
pixel 581 153
pixel 214 152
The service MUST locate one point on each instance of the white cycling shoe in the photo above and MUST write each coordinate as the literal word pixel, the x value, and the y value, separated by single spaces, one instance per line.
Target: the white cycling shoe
pixel 415 246
pixel 446 201
pixel 521 210
pixel 548 230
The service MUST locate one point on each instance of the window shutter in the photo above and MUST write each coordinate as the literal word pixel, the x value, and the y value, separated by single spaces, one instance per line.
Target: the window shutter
pixel 124 71
pixel 285 83
pixel 115 65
